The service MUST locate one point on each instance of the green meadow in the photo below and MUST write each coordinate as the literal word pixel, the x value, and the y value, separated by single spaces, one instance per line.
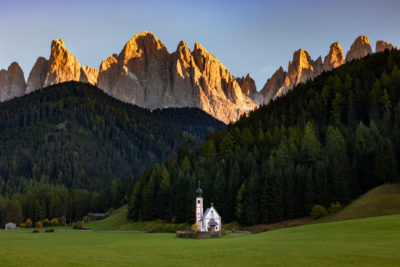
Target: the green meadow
pixel 360 242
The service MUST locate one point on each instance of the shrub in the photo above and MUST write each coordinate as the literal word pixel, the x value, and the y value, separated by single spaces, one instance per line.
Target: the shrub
pixel 78 225
pixel 35 231
pixel 28 223
pixel 335 207
pixel 54 222
pixel 196 228
pixel 39 224
pixel 318 211
pixel 49 231
pixel 46 222
pixel 22 225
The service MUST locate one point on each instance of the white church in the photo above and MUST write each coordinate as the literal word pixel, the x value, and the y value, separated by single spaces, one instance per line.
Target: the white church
pixel 209 220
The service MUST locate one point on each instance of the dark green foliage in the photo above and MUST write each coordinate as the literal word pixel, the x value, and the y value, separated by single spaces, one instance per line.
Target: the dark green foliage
pixel 86 146
pixel 74 134
pixel 327 140
pixel 318 211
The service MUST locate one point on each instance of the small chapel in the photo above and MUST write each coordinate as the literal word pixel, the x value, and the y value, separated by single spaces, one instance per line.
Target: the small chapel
pixel 210 220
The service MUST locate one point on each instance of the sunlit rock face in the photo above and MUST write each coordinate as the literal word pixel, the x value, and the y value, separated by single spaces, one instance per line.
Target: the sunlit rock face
pixel 61 67
pixel 12 82
pixel 249 89
pixel 361 47
pixel 335 57
pixel 247 85
pixel 383 45
pixel 146 74
pixel 303 68
pixel 38 74
pixel 273 84
pixel 300 69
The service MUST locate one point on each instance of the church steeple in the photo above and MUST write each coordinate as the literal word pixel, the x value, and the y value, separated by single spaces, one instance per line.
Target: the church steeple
pixel 199 204
pixel 199 191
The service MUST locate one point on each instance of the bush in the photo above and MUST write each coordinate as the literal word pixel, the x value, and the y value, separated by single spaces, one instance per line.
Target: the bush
pixel 39 224
pixel 46 222
pixel 196 228
pixel 78 225
pixel 49 231
pixel 318 211
pixel 335 207
pixel 35 231
pixel 28 223
pixel 22 225
pixel 54 222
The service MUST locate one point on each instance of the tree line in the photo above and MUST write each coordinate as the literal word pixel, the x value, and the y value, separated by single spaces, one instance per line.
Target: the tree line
pixel 326 141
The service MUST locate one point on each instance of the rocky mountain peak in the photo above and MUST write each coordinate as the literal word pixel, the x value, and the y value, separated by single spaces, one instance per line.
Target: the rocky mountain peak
pixel 247 85
pixel 335 57
pixel 63 66
pixel 383 45
pixel 361 47
pixel 38 75
pixel 300 69
pixel 273 84
pixel 12 82
pixel 184 51
pixel 317 67
pixel 142 44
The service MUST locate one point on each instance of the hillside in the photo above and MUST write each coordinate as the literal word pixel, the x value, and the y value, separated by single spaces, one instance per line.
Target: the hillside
pixel 76 135
pixel 380 201
pixel 118 221
pixel 70 148
pixel 361 242
pixel 330 139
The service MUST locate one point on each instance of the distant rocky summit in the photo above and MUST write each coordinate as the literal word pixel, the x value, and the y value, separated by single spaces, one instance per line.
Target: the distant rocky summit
pixel 144 73
pixel 12 82
pixel 382 46
pixel 303 68
pixel 360 48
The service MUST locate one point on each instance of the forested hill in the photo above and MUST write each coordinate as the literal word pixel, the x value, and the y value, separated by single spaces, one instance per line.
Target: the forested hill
pixel 75 135
pixel 327 140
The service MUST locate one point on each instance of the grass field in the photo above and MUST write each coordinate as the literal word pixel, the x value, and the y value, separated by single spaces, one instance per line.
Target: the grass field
pixel 118 221
pixel 361 242
pixel 380 201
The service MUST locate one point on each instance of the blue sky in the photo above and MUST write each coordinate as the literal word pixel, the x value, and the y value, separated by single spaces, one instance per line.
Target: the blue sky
pixel 246 36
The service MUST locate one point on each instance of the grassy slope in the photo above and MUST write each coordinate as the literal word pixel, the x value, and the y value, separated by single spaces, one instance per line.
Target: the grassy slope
pixel 382 200
pixel 118 221
pixel 361 242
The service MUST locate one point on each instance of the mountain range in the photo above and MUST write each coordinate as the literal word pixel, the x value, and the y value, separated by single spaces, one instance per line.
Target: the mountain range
pixel 144 73
pixel 303 68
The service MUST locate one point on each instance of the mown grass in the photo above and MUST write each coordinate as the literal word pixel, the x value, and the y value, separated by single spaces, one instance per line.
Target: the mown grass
pixel 361 242
pixel 380 201
pixel 118 221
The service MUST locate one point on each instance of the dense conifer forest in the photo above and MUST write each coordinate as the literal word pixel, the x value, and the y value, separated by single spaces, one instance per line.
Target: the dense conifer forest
pixel 328 140
pixel 70 148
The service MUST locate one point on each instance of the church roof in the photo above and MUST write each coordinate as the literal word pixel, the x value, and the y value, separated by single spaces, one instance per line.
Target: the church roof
pixel 208 210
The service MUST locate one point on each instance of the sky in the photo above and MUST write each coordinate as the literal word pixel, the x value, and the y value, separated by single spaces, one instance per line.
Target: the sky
pixel 251 36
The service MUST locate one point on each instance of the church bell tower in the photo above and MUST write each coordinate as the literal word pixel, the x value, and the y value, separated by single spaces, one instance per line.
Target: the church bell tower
pixel 199 204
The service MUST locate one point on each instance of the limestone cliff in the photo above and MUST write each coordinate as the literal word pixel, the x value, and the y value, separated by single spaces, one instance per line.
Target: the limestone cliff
pixel 361 47
pixel 38 75
pixel 382 46
pixel 335 57
pixel 61 67
pixel 12 82
pixel 273 84
pixel 247 85
pixel 146 74
pixel 303 68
